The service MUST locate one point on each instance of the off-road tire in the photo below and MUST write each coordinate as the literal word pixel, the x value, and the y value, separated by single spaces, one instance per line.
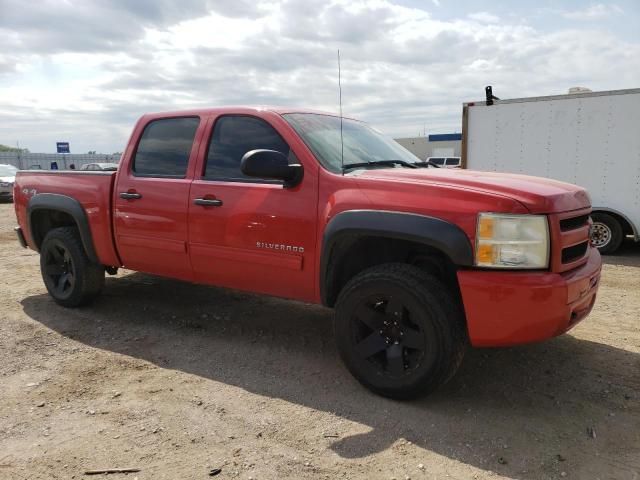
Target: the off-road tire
pixel 71 278
pixel 427 310
pixel 611 227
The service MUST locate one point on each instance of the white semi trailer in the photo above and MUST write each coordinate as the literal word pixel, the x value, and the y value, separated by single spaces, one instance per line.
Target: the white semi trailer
pixel 590 139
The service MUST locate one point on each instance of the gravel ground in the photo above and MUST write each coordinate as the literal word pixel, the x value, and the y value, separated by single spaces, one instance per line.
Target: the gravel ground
pixel 178 379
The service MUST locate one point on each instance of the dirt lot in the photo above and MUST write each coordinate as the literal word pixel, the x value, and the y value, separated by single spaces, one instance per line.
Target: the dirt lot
pixel 177 379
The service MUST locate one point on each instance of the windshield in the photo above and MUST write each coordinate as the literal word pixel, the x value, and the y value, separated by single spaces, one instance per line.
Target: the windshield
pixel 362 143
pixel 8 171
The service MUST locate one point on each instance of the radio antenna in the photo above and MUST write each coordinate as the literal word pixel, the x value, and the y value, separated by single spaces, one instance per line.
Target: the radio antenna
pixel 340 101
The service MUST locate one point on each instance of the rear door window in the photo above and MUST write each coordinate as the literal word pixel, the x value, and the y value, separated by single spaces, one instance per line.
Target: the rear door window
pixel 164 147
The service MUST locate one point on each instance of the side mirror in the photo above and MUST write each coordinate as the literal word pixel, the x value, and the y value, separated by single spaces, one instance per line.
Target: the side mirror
pixel 271 164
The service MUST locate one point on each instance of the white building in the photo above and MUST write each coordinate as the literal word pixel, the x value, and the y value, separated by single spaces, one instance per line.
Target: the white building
pixel 435 145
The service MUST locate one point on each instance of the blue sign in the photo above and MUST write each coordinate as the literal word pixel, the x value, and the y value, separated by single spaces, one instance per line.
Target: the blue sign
pixel 445 137
pixel 62 147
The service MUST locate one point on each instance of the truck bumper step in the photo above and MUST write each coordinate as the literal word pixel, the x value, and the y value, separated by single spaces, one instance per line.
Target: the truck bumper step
pixel 20 235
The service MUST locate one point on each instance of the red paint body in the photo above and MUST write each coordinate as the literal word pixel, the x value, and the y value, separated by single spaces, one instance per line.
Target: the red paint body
pixel 166 234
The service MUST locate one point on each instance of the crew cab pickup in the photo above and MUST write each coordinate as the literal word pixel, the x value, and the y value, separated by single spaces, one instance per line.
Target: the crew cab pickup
pixel 418 262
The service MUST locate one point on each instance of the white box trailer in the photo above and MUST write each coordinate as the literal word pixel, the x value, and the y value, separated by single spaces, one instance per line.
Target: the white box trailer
pixel 588 139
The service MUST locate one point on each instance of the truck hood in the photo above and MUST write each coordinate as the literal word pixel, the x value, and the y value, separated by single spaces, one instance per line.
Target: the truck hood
pixel 538 195
pixel 7 179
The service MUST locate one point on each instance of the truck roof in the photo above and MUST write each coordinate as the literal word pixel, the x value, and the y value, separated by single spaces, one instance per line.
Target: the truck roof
pixel 246 109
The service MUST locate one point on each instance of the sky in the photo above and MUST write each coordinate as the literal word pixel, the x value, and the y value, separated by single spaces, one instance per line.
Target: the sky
pixel 84 71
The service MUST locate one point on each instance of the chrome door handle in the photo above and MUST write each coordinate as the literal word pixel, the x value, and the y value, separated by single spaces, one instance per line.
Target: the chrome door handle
pixel 130 195
pixel 208 202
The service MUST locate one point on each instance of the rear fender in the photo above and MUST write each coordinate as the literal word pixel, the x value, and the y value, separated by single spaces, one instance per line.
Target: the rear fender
pixel 64 204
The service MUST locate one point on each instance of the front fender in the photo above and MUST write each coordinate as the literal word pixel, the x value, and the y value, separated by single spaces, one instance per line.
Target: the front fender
pixel 444 236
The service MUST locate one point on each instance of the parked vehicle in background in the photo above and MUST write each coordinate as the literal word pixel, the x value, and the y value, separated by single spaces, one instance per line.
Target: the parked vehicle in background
pixel 444 162
pixel 103 167
pixel 590 139
pixel 416 261
pixel 7 179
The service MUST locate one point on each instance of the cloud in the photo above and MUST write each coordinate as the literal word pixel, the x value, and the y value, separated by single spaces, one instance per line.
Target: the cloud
pixel 484 17
pixel 593 12
pixel 99 25
pixel 85 71
pixel 8 64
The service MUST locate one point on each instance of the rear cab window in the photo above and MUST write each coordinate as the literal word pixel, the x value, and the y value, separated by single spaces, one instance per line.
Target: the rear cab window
pixel 164 148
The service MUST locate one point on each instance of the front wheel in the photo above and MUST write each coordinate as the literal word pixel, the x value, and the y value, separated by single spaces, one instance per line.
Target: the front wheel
pixel 400 332
pixel 70 277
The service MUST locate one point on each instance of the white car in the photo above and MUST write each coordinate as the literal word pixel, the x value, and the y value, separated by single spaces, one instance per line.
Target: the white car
pixel 444 162
pixel 104 167
pixel 7 179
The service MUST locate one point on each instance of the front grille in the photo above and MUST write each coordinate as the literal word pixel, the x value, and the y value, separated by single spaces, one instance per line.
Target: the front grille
pixel 573 223
pixel 569 239
pixel 574 252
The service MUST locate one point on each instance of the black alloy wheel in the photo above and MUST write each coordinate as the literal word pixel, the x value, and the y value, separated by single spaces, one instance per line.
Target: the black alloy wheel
pixel 385 336
pixel 400 331
pixel 71 278
pixel 59 271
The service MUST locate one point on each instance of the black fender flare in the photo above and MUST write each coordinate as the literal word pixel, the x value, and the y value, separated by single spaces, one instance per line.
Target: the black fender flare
pixel 68 205
pixel 440 234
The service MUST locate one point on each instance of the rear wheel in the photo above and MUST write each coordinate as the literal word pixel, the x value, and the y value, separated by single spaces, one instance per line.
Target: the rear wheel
pixel 606 233
pixel 70 277
pixel 399 330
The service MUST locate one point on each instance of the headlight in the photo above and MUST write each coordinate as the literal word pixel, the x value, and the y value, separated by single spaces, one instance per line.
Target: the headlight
pixel 512 241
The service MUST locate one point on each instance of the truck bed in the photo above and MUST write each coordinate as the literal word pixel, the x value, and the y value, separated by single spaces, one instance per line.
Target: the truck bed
pixel 94 191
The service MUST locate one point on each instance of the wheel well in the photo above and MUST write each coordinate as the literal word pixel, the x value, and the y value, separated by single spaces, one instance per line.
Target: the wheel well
pixel 627 229
pixel 352 254
pixel 44 220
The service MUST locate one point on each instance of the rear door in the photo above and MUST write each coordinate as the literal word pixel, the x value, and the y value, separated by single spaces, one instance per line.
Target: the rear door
pixel 152 195
pixel 254 234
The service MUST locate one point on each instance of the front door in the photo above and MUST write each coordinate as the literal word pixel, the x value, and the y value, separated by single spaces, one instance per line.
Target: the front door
pixel 249 233
pixel 152 198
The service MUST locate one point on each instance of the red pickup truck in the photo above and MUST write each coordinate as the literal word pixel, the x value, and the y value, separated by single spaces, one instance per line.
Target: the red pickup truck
pixel 417 262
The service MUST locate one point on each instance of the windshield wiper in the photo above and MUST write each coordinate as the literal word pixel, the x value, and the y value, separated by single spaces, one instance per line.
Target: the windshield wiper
pixel 426 163
pixel 378 162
